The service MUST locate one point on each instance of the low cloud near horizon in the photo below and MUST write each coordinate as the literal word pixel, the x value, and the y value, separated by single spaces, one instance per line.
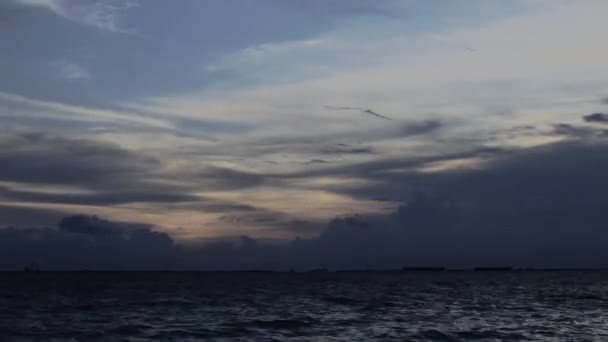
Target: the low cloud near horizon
pixel 541 207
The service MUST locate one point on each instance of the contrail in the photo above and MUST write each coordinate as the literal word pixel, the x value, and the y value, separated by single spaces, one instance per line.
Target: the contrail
pixel 362 110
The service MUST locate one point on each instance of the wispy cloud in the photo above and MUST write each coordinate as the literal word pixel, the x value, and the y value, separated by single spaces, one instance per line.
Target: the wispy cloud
pixel 102 14
pixel 414 75
pixel 71 71
pixel 57 110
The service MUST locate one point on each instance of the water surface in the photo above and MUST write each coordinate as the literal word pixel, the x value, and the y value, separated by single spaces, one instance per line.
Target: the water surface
pixel 418 306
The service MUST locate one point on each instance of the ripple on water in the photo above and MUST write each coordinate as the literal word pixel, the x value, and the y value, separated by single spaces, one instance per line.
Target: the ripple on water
pixel 341 307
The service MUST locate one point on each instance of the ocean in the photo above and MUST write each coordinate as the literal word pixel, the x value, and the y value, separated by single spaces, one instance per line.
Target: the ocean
pixel 331 306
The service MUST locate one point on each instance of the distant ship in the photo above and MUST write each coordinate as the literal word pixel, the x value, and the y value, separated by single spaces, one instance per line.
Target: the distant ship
pixel 319 270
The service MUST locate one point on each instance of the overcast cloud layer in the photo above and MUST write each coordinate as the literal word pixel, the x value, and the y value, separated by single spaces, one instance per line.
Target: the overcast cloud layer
pixel 455 131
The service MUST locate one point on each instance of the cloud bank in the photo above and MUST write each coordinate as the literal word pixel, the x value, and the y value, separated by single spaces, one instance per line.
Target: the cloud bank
pixel 540 207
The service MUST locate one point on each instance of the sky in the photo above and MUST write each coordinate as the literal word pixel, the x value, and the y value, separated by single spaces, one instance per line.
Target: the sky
pixel 273 133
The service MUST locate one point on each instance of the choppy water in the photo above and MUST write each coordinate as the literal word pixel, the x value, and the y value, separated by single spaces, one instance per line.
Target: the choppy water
pixel 445 306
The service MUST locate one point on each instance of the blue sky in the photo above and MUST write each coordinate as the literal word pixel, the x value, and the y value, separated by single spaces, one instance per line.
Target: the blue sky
pixel 221 118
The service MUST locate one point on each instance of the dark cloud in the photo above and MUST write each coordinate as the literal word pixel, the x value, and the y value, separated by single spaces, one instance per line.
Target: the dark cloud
pixel 510 133
pixel 604 100
pixel 23 216
pixel 522 130
pixel 270 220
pixel 211 206
pixel 386 170
pixel 69 161
pixel 91 173
pixel 86 242
pixel 339 149
pixel 423 232
pixel 317 161
pixel 575 131
pixel 596 117
pixel 561 175
pixel 420 128
pixel 256 218
pixel 96 198
pixel 538 207
pixel 88 172
pixel 226 178
pixel 96 227
pixel 106 173
pixel 436 232
pixel 571 130
pixel 567 172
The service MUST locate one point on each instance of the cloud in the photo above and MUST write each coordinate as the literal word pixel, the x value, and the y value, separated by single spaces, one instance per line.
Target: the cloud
pixel 85 175
pixel 90 172
pixel 81 173
pixel 102 14
pixel 579 131
pixel 86 242
pixel 69 161
pixel 399 70
pixel 71 71
pixel 312 142
pixel 96 227
pixel 272 220
pixel 50 110
pixel 347 8
pixel 389 169
pixel 342 148
pixel 427 231
pixel 442 97
pixel 502 180
pixel 537 207
pixel 266 100
pixel 596 117
pixel 27 216
pixel 95 197
pixel 225 178
pixel 317 161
